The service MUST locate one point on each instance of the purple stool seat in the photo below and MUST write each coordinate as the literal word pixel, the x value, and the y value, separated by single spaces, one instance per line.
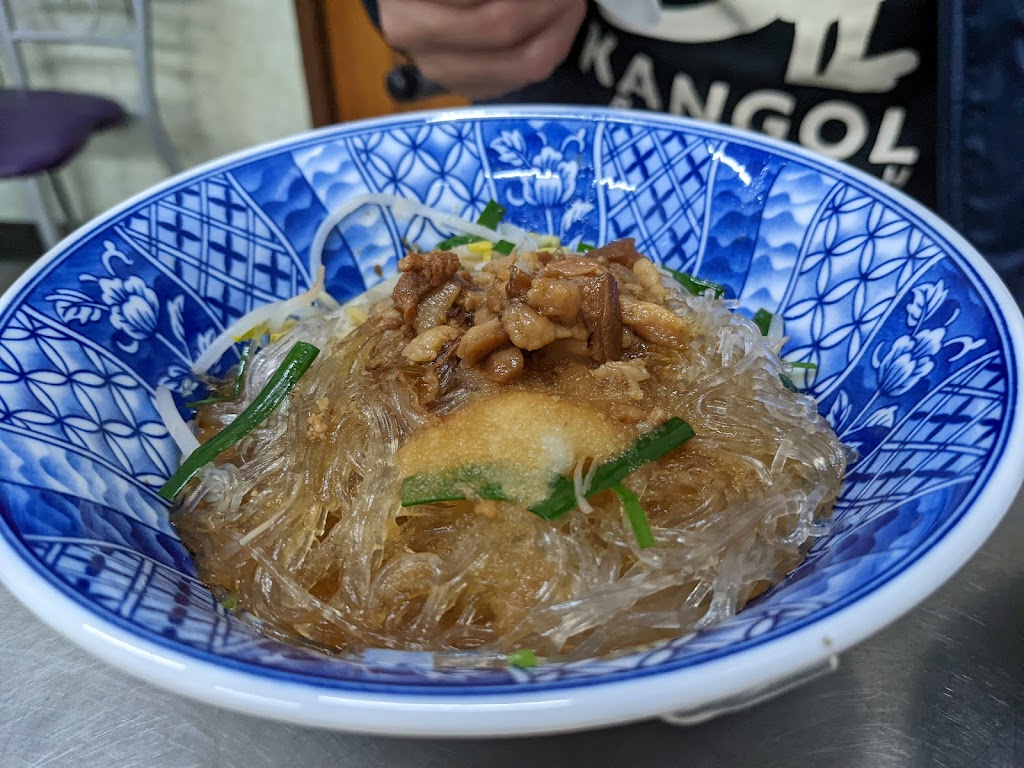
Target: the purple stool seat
pixel 41 130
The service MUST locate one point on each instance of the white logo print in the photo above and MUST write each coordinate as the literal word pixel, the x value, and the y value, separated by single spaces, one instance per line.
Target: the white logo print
pixel 849 68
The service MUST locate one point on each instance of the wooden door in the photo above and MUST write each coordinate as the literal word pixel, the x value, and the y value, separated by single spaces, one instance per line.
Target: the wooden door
pixel 347 63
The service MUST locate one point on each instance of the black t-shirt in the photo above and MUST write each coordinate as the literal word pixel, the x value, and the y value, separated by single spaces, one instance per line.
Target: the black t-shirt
pixel 852 79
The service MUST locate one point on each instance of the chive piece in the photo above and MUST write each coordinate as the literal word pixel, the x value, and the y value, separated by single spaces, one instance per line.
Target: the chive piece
pixel 479 479
pixel 697 285
pixel 236 389
pixel 491 215
pixel 503 247
pixel 243 363
pixel 649 447
pixel 295 364
pixel 584 248
pixel 788 383
pixel 805 366
pixel 455 242
pixel 524 658
pixel 197 404
pixel 635 515
pixel 763 320
pixel 451 486
pixel 230 602
pixel 561 499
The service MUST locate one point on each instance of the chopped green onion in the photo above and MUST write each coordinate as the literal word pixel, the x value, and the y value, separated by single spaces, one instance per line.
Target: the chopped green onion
pixel 635 515
pixel 649 447
pixel 524 658
pixel 295 364
pixel 236 389
pixel 451 486
pixel 561 499
pixel 230 602
pixel 503 247
pixel 455 242
pixel 584 248
pixel 491 215
pixel 212 400
pixel 243 363
pixel 763 320
pixel 478 479
pixel 788 382
pixel 696 285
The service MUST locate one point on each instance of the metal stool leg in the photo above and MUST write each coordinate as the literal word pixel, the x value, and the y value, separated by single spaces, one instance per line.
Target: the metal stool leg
pixel 48 232
pixel 147 94
pixel 60 191
pixel 161 140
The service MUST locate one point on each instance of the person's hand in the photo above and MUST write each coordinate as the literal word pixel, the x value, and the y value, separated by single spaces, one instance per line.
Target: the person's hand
pixel 483 48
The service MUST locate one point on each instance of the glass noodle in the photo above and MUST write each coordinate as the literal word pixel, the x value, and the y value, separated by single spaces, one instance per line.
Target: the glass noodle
pixel 303 522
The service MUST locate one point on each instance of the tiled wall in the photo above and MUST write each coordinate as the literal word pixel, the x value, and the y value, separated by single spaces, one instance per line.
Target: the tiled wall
pixel 228 75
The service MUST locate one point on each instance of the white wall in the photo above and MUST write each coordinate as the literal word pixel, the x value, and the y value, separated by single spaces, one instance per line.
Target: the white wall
pixel 228 75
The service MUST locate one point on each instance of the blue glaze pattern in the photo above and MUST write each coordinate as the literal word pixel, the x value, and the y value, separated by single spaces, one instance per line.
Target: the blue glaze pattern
pixel 914 368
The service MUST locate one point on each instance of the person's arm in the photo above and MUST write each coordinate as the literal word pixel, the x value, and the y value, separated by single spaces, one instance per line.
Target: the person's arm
pixel 481 49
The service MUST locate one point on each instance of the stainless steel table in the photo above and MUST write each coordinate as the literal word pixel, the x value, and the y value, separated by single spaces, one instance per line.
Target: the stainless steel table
pixel 942 687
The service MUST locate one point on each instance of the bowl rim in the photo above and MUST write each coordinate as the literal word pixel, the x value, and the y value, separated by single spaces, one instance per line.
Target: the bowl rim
pixel 563 705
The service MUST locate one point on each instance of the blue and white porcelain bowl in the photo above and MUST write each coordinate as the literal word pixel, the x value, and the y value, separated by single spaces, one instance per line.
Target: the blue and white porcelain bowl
pixel 918 346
